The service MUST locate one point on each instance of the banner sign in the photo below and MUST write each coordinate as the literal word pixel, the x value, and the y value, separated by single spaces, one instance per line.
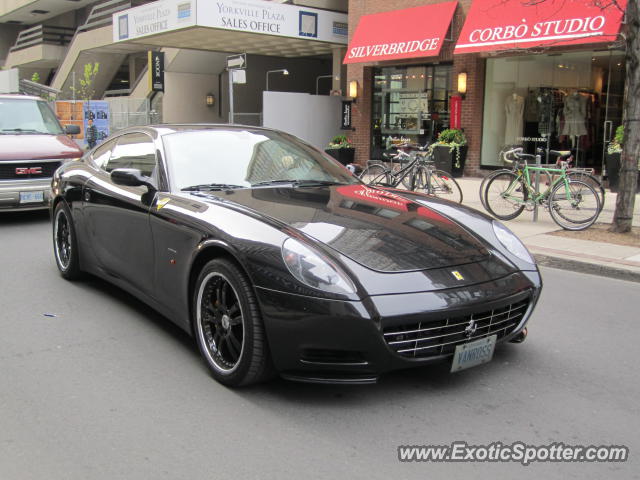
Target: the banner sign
pixel 153 18
pixel 345 117
pixel 156 64
pixel 494 25
pixel 98 112
pixel 409 33
pixel 271 18
pixel 455 108
pixel 254 16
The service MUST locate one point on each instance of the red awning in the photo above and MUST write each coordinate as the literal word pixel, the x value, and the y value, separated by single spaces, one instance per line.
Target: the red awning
pixel 409 33
pixel 494 25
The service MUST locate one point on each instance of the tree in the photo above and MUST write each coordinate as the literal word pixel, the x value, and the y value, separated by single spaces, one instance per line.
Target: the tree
pixel 86 89
pixel 625 203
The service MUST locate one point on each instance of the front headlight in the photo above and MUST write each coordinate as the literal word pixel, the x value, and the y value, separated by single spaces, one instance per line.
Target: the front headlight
pixel 512 243
pixel 313 269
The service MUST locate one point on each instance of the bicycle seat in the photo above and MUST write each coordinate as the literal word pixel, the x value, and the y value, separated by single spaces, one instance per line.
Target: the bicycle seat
pixel 562 154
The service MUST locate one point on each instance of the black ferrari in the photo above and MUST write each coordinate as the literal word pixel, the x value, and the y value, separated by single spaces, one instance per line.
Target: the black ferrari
pixel 279 261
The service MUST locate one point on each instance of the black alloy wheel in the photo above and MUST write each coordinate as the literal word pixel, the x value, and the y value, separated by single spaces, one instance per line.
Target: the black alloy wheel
pixel 64 243
pixel 228 326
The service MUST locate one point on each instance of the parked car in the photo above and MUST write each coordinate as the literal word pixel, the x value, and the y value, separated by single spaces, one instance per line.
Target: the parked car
pixel 32 146
pixel 277 259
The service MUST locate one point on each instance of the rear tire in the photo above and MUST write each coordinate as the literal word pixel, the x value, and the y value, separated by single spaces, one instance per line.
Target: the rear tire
pixel 228 326
pixel 577 212
pixel 443 185
pixel 505 196
pixel 65 244
pixel 376 175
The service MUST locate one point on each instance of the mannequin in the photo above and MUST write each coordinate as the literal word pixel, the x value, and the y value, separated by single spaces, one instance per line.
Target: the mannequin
pixel 514 109
pixel 575 112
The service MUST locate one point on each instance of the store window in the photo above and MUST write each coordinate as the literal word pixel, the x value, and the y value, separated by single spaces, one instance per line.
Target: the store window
pixel 410 104
pixel 570 101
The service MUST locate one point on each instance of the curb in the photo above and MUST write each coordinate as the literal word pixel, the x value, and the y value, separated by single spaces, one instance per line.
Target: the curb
pixel 586 267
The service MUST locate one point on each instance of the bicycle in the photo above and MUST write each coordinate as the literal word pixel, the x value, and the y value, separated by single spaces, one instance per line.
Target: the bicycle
pixel 418 174
pixel 573 204
pixel 564 161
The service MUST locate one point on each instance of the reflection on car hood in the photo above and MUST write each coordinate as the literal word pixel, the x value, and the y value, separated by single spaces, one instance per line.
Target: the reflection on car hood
pixel 376 228
pixel 37 147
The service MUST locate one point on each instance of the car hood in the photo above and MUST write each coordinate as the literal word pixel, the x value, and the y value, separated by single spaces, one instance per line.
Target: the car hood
pixel 37 147
pixel 377 228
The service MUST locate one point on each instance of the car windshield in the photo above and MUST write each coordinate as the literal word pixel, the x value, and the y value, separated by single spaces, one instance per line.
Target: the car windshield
pixel 235 158
pixel 24 116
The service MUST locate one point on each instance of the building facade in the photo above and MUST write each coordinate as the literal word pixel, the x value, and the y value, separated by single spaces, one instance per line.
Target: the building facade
pixel 545 76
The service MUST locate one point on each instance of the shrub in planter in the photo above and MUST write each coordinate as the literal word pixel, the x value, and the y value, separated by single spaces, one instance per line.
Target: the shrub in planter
pixel 341 149
pixel 612 159
pixel 450 151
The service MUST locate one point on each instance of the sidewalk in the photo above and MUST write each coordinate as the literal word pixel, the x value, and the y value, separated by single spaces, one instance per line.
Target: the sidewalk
pixel 585 256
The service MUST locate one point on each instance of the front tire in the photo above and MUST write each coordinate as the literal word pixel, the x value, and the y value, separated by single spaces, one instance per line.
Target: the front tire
pixel 228 326
pixel 65 244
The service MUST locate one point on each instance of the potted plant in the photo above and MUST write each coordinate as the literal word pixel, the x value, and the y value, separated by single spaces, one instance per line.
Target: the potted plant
pixel 612 159
pixel 341 149
pixel 450 151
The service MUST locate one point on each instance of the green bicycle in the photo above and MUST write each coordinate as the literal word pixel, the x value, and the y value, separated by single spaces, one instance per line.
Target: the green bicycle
pixel 572 203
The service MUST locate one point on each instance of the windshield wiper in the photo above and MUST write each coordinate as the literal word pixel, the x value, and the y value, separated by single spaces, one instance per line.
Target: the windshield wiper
pixel 297 183
pixel 211 186
pixel 21 130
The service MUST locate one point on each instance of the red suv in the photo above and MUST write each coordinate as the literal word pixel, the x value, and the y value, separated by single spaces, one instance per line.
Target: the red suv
pixel 32 146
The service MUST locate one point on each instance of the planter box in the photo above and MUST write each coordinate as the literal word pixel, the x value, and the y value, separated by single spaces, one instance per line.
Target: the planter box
pixel 344 155
pixel 612 161
pixel 445 160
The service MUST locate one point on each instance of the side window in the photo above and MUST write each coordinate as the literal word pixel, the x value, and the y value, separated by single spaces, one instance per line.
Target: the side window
pixel 133 150
pixel 101 155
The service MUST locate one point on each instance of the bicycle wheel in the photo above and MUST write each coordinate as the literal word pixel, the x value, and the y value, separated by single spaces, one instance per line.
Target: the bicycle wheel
pixel 376 175
pixel 576 209
pixel 505 196
pixel 485 180
pixel 443 185
pixel 589 180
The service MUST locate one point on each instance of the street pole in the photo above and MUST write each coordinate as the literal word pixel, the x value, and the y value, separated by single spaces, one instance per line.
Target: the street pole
pixel 231 120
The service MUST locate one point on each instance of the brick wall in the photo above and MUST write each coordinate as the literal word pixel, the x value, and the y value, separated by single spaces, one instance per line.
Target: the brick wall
pixel 473 64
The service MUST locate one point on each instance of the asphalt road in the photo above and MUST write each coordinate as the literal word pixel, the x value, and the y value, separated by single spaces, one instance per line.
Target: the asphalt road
pixel 108 389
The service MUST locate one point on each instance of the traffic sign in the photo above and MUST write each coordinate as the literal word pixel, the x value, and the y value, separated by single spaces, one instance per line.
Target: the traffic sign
pixel 237 61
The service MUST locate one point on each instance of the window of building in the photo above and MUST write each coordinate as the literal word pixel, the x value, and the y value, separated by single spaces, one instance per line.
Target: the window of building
pixel 409 104
pixel 569 101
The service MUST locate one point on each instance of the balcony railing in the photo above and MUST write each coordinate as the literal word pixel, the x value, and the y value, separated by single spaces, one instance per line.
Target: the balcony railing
pixel 101 15
pixel 43 34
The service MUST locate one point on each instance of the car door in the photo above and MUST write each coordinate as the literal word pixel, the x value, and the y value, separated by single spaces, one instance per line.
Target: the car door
pixel 117 216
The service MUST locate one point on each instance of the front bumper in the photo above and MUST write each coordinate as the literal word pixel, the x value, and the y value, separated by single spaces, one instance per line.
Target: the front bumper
pixel 329 341
pixel 10 198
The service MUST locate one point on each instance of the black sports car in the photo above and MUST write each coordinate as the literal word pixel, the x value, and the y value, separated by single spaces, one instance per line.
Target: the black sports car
pixel 277 259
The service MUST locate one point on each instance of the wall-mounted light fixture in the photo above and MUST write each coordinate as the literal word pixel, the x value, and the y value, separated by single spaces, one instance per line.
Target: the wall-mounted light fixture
pixel 210 99
pixel 462 84
pixel 353 89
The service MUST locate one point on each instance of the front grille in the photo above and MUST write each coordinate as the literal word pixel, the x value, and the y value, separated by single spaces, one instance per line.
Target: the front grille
pixel 441 336
pixel 8 170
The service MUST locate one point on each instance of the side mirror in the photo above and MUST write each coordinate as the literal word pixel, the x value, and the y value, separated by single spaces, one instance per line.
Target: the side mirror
pixel 72 129
pixel 131 177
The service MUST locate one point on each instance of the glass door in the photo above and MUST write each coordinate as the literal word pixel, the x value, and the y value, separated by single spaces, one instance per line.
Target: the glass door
pixel 612 100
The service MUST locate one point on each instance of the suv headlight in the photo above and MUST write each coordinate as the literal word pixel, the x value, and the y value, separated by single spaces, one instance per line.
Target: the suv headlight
pixel 512 243
pixel 313 269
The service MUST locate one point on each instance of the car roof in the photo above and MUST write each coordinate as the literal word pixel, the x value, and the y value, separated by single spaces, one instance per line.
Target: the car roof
pixel 169 128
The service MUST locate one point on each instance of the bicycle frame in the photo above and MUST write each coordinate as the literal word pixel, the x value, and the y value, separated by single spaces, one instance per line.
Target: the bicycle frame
pixel 523 173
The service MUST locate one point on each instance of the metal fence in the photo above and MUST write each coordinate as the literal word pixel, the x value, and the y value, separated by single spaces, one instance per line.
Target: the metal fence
pixel 253 119
pixel 127 112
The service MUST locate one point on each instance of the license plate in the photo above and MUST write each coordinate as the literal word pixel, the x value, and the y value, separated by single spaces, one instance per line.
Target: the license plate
pixel 31 197
pixel 473 353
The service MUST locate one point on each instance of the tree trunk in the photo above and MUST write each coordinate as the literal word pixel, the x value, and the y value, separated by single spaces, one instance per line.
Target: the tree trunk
pixel 623 215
